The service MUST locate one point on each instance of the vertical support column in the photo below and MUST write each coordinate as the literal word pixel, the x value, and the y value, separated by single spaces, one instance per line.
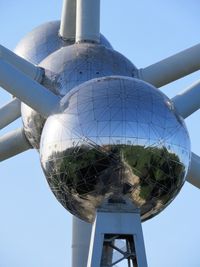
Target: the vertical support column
pixel 68 20
pixel 115 221
pixel 88 21
pixel 80 242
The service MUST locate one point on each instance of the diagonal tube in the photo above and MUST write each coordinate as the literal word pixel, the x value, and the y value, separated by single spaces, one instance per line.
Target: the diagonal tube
pixel 34 72
pixel 194 172
pixel 13 143
pixel 172 68
pixel 27 90
pixel 10 112
pixel 188 101
pixel 68 20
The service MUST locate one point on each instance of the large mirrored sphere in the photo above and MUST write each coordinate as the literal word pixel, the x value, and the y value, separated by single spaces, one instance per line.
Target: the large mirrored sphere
pixel 114 137
pixel 69 67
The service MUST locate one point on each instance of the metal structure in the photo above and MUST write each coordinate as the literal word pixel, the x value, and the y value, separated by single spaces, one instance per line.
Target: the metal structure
pixel 112 146
pixel 112 224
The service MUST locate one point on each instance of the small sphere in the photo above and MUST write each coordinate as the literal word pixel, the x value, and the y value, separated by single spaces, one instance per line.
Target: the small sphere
pixel 69 67
pixel 115 136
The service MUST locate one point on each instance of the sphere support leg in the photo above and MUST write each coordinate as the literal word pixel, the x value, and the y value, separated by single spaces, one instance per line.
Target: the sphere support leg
pixel 117 236
pixel 80 242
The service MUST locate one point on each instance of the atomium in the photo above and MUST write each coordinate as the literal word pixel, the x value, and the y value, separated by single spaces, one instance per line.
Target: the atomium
pixel 109 121
pixel 115 136
pixel 114 149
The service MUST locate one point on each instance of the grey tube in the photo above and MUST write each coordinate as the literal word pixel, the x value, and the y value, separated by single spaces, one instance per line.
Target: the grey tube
pixel 80 242
pixel 194 172
pixel 172 68
pixel 88 21
pixel 13 143
pixel 27 90
pixel 68 20
pixel 34 72
pixel 10 112
pixel 188 101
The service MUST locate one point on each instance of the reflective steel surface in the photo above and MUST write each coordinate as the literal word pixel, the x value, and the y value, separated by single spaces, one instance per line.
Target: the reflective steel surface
pixel 75 64
pixel 115 136
pixel 34 47
pixel 69 67
pixel 33 124
pixel 43 41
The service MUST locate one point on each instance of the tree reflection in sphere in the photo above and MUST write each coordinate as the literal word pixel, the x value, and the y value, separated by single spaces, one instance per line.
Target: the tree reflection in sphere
pixel 115 136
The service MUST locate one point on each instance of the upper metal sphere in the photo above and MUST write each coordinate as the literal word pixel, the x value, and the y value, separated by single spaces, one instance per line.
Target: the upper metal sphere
pixel 78 63
pixel 69 67
pixel 115 136
pixel 43 41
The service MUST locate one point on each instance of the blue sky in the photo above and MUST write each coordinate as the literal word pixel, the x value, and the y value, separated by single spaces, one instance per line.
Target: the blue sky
pixel 35 230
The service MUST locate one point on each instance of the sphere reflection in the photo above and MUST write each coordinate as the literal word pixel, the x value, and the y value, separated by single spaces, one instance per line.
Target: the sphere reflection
pixel 115 136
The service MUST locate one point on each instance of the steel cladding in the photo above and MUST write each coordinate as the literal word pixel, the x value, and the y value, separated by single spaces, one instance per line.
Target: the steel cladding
pixel 115 136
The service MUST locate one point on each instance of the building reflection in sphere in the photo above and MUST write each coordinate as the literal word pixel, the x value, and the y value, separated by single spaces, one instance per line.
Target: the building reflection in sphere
pixel 115 136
